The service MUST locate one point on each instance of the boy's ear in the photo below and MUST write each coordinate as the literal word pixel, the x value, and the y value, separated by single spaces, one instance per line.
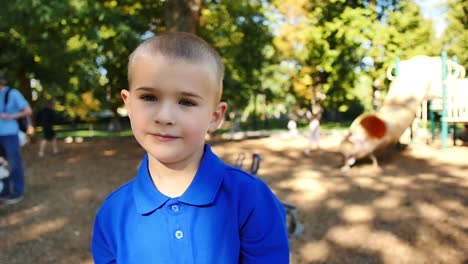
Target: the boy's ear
pixel 218 116
pixel 126 98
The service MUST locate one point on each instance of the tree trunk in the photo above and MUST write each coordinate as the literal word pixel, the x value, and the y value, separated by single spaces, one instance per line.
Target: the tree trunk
pixel 25 85
pixel 255 126
pixel 183 15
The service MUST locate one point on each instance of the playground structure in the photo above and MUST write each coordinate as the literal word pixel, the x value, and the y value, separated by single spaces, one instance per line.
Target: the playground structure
pixel 293 225
pixel 416 82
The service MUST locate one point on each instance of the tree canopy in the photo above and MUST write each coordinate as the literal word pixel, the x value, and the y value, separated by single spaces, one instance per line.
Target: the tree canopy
pixel 280 55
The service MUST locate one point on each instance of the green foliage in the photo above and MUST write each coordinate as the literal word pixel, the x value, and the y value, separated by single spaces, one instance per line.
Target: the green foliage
pixel 281 55
pixel 238 30
pixel 455 37
pixel 327 42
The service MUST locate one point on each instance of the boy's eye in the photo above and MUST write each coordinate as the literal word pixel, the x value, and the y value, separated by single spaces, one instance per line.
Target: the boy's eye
pixel 147 97
pixel 186 102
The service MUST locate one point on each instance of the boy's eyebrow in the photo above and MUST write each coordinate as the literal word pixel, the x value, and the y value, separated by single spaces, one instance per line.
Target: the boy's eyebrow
pixel 190 94
pixel 144 88
pixel 183 93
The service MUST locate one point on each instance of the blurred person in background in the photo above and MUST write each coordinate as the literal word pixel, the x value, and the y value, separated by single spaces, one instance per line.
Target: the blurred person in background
pixel 12 107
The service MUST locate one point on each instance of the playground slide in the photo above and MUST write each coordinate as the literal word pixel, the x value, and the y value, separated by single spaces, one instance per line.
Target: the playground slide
pixel 369 132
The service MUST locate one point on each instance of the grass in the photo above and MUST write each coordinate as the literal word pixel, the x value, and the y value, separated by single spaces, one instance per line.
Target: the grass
pixel 99 130
pixel 87 131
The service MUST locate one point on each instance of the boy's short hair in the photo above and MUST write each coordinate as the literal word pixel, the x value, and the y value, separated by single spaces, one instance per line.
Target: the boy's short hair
pixel 180 45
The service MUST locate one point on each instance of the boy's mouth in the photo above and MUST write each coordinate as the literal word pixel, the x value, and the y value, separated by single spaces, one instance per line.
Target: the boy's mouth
pixel 164 137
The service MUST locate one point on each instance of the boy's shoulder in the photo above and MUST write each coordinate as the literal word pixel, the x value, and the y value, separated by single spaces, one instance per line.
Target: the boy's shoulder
pixel 241 174
pixel 244 180
pixel 119 196
pixel 122 190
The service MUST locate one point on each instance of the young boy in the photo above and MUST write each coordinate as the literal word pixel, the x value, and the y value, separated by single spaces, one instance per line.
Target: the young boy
pixel 185 205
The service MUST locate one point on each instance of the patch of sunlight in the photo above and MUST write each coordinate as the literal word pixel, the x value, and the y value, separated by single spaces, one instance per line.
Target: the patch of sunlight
pixel 342 187
pixel 451 204
pixel 430 211
pixel 402 181
pixel 304 181
pixel 34 231
pixel 17 217
pixel 306 190
pixel 397 214
pixel 74 159
pixel 335 203
pixel 285 144
pixel 450 180
pixel 109 152
pixel 446 252
pixel 459 173
pixel 61 174
pixel 357 213
pixel 389 246
pixel 391 199
pixel 463 184
pixel 370 183
pixel 83 195
pixel 364 181
pixel 427 176
pixel 379 187
pixel 308 174
pixel 315 251
pixel 455 156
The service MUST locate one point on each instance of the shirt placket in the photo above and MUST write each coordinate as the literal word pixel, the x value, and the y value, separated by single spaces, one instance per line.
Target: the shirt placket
pixel 179 231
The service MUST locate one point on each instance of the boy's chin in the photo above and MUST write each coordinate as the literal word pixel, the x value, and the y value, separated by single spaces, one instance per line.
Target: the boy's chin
pixel 171 157
pixel 166 158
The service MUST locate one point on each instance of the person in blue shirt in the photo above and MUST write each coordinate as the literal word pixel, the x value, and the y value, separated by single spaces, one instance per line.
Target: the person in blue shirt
pixel 16 107
pixel 185 204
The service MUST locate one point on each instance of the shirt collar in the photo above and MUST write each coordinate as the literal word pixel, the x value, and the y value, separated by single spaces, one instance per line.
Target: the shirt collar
pixel 207 181
pixel 147 197
pixel 202 190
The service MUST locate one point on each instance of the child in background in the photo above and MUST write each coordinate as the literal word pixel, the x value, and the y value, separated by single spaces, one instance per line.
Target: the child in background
pixel 314 134
pixel 185 204
pixel 292 128
pixel 46 118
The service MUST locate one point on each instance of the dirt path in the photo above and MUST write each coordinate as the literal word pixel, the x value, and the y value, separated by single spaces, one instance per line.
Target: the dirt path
pixel 413 209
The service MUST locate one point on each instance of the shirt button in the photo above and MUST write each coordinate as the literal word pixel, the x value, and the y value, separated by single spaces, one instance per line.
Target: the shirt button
pixel 175 207
pixel 179 234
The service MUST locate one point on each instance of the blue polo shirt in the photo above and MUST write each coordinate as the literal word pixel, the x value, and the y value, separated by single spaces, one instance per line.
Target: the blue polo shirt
pixel 16 104
pixel 225 216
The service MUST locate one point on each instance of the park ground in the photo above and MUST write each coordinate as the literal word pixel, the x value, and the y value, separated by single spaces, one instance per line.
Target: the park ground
pixel 411 209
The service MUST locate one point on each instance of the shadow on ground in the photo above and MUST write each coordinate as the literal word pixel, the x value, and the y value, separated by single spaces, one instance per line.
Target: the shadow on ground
pixel 413 209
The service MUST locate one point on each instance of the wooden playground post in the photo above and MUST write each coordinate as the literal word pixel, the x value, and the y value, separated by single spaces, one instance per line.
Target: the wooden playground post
pixel 444 124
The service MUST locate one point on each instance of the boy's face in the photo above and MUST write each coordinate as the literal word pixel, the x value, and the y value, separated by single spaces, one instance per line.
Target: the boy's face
pixel 172 105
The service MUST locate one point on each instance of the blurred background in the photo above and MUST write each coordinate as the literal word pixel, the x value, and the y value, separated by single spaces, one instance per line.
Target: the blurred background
pixel 282 57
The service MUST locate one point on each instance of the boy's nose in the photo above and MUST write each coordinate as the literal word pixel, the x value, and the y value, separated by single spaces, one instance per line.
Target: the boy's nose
pixel 164 114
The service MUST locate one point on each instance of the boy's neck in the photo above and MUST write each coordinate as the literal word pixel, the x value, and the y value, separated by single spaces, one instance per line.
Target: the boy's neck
pixel 173 181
